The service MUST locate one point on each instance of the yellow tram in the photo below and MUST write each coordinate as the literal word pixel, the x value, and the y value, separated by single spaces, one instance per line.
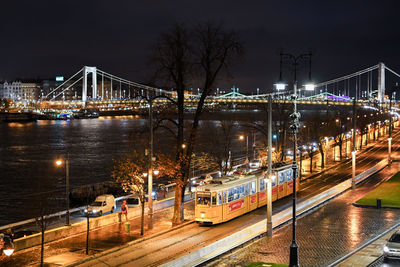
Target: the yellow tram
pixel 231 196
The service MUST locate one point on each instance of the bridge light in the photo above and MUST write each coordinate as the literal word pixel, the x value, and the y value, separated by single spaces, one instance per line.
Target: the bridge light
pixel 309 86
pixel 280 86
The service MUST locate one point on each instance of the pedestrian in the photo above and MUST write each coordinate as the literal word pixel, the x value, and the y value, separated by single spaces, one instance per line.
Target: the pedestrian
pixel 124 210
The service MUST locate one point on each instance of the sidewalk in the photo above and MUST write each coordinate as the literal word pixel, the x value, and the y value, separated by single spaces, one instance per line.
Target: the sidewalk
pixel 368 254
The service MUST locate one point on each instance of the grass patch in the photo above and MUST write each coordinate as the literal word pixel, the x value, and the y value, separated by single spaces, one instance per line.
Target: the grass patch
pixel 266 264
pixel 388 191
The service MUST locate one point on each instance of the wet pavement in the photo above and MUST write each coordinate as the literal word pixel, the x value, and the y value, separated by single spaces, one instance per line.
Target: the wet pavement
pixel 325 235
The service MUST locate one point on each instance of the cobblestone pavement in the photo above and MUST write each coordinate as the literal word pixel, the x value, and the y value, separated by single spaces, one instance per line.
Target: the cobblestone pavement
pixel 325 235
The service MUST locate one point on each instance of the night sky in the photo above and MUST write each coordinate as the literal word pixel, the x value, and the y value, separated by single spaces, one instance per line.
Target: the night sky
pixel 48 38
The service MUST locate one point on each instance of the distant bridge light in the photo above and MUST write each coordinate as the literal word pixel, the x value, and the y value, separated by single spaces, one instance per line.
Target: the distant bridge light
pixel 280 86
pixel 310 87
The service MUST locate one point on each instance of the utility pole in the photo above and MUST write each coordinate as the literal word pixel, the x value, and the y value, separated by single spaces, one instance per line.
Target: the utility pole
pixel 269 182
pixel 390 132
pixel 150 172
pixel 353 153
pixel 67 222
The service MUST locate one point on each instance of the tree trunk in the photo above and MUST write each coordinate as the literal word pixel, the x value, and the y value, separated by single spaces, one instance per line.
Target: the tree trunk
pixel 142 219
pixel 340 150
pixel 176 219
pixel 87 233
pixel 311 161
pixel 321 151
pixel 42 244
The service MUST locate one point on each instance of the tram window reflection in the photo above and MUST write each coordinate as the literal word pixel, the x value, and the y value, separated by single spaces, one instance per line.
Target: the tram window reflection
pixel 273 181
pixel 241 191
pixel 289 175
pixel 219 198
pixel 253 187
pixel 224 197
pixel 230 194
pixel 246 189
pixel 262 184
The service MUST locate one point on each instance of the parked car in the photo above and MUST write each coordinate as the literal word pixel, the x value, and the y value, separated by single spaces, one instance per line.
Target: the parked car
pixel 102 204
pixel 133 201
pixel 392 247
pixel 255 164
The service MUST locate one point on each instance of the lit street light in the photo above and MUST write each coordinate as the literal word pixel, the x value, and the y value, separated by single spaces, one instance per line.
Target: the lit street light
pixel 295 116
pixel 241 138
pixel 6 245
pixel 59 163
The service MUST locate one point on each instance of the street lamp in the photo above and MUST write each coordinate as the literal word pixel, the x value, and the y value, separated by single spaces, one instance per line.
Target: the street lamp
pixel 295 116
pixel 241 138
pixel 59 163
pixel 6 245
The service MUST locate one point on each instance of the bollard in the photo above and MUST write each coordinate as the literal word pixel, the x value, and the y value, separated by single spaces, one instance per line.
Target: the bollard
pixel 127 227
pixel 378 203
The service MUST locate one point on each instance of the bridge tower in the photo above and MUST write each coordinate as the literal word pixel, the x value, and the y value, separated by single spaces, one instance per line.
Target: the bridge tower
pixel 381 82
pixel 86 71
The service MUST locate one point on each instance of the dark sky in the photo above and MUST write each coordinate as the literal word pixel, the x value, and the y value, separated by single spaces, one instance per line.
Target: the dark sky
pixel 48 38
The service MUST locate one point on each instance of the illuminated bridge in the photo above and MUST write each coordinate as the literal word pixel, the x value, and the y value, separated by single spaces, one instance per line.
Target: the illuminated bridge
pixel 93 87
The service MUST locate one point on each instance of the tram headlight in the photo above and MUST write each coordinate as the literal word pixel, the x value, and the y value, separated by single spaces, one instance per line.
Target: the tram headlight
pixel 385 249
pixel 202 215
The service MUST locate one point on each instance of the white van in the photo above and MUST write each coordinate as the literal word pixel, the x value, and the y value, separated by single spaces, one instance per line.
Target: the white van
pixel 102 204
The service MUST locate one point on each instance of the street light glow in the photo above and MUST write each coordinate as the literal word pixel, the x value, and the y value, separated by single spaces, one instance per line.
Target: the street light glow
pixel 59 162
pixel 309 87
pixel 156 172
pixel 280 86
pixel 8 252
pixel 241 137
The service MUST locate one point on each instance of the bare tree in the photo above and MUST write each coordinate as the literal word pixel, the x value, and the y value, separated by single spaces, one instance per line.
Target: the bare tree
pixel 219 147
pixel 201 53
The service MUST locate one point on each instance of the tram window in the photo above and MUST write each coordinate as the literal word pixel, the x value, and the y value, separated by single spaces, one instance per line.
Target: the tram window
pixel 214 199
pixel 203 200
pixel 262 184
pixel 281 177
pixel 224 197
pixel 241 191
pixel 289 175
pixel 246 189
pixel 230 194
pixel 253 187
pixel 236 195
pixel 273 180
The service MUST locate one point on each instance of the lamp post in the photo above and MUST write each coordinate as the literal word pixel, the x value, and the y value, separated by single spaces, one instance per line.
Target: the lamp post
pixel 390 131
pixel 354 152
pixel 241 137
pixel 59 163
pixel 294 255
pixel 150 172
